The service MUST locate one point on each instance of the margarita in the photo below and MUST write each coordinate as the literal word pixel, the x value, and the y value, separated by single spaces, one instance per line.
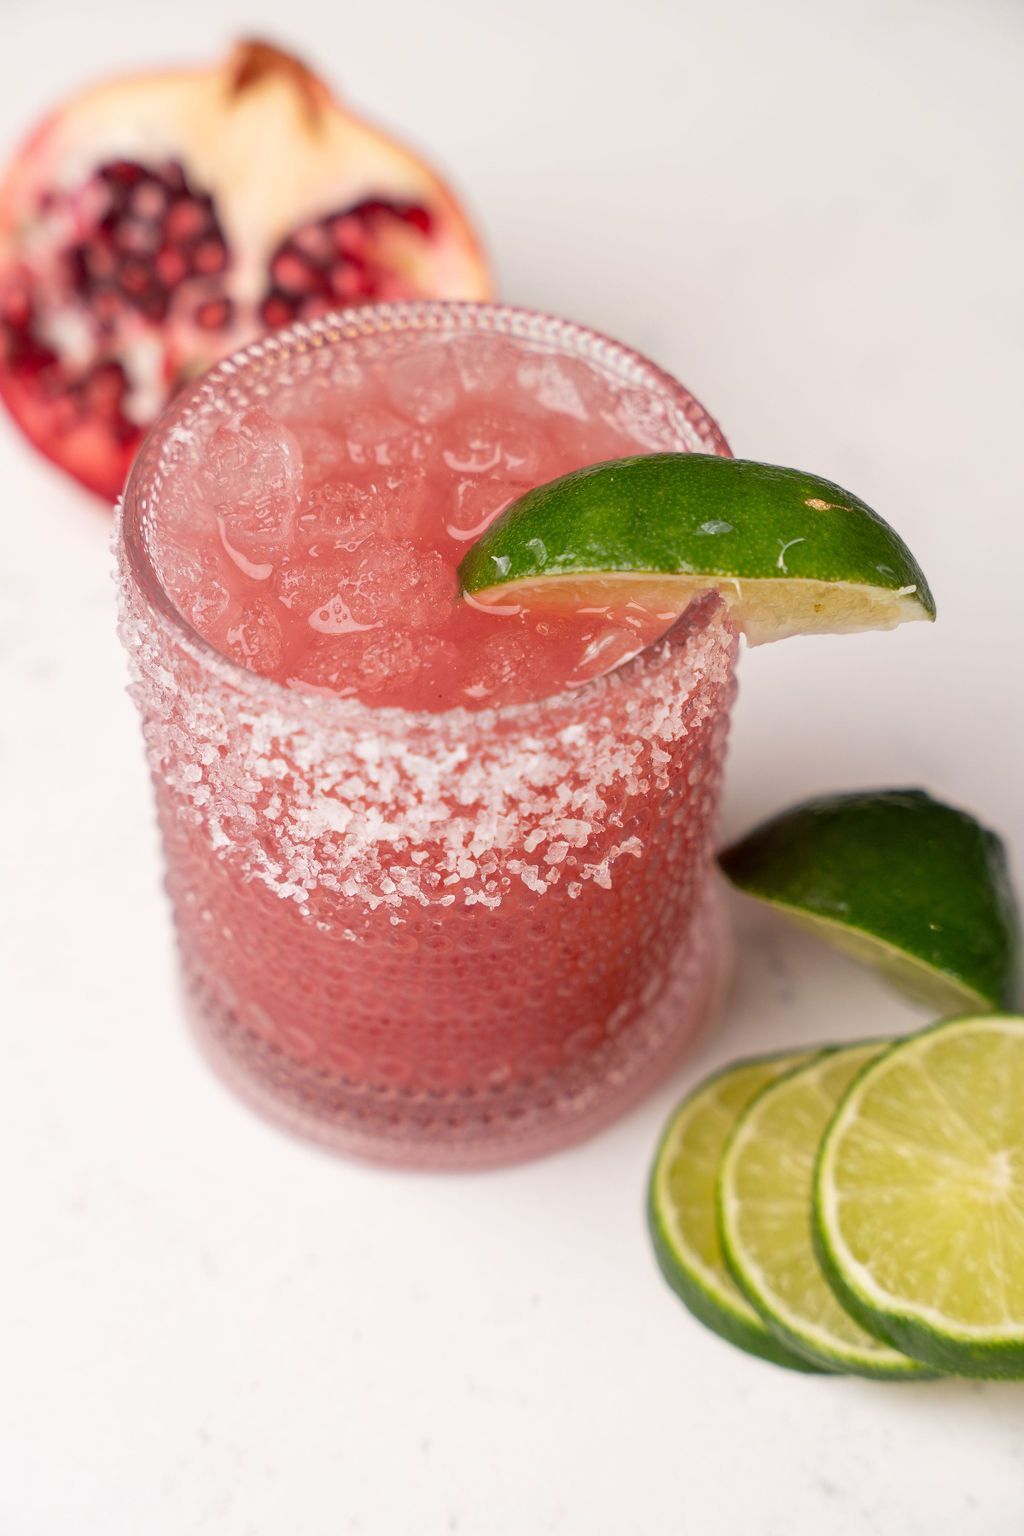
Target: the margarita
pixel 440 872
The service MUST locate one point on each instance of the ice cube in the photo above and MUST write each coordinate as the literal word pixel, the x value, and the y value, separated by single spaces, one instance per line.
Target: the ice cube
pixel 604 648
pixel 338 516
pixel 485 363
pixel 423 384
pixel 252 636
pixel 503 667
pixel 406 585
pixel 332 666
pixel 182 505
pixel 478 501
pixel 389 584
pixel 302 585
pixel 387 666
pixel 375 436
pixel 557 384
pixel 488 442
pixel 251 475
pixel 391 659
pixel 402 503
pixel 320 397
pixel 194 576
pixel 323 448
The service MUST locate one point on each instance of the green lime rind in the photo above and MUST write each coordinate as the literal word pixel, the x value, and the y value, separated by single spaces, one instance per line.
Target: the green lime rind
pixel 919 1197
pixel 682 1223
pixel 914 887
pixel 789 552
pixel 764 1213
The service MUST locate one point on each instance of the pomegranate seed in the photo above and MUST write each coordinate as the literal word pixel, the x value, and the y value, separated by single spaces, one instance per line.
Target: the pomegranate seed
pixel 277 310
pixel 173 177
pixel 312 308
pixel 185 221
pixel 349 282
pixel 107 305
pixel 122 173
pixel 32 357
pixel 349 235
pixel 100 261
pixel 140 237
pixel 149 200
pixel 170 266
pixel 314 242
pixel 214 314
pixel 15 308
pixel 154 304
pixel 103 389
pixel 133 275
pixel 291 273
pixel 419 218
pixel 210 257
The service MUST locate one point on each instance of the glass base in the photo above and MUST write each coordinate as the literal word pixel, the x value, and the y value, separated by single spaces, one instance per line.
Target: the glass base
pixel 513 1123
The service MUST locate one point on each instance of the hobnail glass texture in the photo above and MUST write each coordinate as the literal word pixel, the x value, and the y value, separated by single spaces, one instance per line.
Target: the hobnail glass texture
pixel 437 940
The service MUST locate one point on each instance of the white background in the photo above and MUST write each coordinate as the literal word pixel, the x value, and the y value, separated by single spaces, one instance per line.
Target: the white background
pixel 811 212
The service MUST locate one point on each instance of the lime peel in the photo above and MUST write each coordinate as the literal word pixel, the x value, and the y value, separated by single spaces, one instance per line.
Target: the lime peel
pixel 916 888
pixel 764 1205
pixel 681 1227
pixel 788 552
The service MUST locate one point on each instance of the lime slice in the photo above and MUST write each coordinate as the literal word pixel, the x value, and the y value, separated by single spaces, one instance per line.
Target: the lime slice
pixel 919 1196
pixel 917 889
pixel 764 1210
pixel 681 1206
pixel 789 553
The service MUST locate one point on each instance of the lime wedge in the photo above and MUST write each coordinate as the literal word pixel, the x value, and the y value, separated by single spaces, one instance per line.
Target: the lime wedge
pixel 764 1209
pixel 919 1196
pixel 916 888
pixel 789 553
pixel 681 1206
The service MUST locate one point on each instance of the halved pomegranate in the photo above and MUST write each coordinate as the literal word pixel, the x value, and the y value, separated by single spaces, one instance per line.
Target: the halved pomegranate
pixel 153 224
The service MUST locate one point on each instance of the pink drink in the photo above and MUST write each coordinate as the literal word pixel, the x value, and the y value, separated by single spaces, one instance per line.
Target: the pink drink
pixel 316 537
pixel 440 876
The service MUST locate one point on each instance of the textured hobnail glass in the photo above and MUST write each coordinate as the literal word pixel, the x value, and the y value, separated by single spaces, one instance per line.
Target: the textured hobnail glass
pixel 451 939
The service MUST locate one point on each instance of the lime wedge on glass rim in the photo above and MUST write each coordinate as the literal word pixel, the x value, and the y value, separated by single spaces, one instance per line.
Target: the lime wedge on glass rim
pixel 917 889
pixel 681 1206
pixel 765 1182
pixel 919 1196
pixel 789 553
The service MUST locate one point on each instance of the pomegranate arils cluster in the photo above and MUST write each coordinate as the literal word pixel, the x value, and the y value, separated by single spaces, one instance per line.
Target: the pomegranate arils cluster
pixel 154 224
pixel 348 257
pixel 157 241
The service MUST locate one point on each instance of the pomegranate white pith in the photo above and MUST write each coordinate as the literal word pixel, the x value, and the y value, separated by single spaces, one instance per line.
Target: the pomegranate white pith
pixel 154 224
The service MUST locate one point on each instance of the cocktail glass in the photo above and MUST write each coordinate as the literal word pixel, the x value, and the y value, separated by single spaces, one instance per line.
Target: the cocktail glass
pixel 449 939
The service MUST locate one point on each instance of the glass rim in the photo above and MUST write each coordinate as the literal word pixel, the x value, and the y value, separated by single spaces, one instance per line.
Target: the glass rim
pixel 448 316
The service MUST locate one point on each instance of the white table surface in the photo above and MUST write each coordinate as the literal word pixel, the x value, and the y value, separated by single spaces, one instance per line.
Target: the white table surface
pixel 812 213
